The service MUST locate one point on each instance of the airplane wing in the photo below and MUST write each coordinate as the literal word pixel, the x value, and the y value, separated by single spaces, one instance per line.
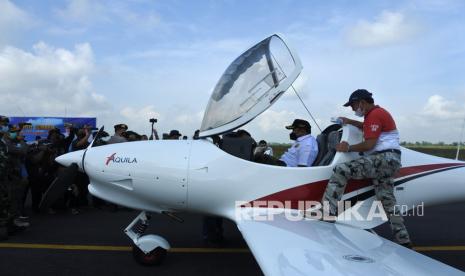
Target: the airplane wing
pixel 310 247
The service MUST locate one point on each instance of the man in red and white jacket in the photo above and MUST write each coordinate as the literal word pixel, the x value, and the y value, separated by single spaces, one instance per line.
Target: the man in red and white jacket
pixel 380 162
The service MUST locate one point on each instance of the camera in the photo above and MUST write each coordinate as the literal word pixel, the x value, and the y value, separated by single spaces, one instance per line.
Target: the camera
pixel 153 120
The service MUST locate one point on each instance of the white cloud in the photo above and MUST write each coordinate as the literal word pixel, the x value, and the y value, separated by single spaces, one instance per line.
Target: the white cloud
pixel 272 120
pixel 301 86
pixel 189 119
pixel 388 28
pixel 137 118
pixel 437 107
pixel 12 19
pixel 49 81
pixel 439 119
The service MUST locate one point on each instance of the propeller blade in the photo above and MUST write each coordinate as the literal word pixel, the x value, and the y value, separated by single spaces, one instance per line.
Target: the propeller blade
pixel 90 145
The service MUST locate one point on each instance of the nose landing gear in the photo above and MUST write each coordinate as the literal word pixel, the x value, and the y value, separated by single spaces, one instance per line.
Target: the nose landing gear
pixel 147 249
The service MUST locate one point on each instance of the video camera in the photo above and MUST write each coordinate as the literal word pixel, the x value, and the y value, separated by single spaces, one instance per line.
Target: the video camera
pixel 153 120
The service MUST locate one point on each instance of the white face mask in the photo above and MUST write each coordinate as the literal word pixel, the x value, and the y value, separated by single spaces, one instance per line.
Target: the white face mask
pixel 359 111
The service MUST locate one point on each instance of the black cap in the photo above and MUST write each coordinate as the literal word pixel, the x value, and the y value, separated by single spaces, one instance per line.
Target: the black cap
pixel 357 95
pixel 301 124
pixel 174 132
pixel 121 126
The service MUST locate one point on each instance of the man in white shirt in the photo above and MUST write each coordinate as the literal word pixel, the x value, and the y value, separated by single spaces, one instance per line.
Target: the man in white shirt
pixel 302 153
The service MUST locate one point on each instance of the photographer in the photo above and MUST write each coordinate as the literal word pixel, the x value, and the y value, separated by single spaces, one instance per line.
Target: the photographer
pixel 38 165
pixel 101 138
pixel 9 223
pixel 154 133
pixel 69 136
pixel 82 141
pixel 118 137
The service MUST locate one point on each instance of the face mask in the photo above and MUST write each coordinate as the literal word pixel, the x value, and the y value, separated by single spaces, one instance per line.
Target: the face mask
pixel 13 135
pixel 3 128
pixel 359 112
pixel 293 136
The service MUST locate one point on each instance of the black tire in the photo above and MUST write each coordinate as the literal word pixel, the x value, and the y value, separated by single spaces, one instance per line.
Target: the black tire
pixel 154 257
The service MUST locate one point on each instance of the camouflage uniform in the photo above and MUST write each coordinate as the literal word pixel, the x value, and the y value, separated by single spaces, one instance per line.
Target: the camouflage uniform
pixel 4 194
pixel 381 168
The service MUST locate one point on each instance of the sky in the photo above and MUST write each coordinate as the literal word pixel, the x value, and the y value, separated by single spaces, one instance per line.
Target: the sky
pixel 129 61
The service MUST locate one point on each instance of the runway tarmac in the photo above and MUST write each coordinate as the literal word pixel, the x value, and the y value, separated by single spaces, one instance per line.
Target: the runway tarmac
pixel 93 243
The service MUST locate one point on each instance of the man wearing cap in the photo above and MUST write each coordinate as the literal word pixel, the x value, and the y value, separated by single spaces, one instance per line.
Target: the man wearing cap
pixel 301 154
pixel 174 135
pixel 17 178
pixel 4 195
pixel 118 137
pixel 8 223
pixel 380 162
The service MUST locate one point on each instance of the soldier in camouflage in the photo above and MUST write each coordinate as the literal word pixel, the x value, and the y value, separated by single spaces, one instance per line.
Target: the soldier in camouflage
pixel 380 162
pixel 4 195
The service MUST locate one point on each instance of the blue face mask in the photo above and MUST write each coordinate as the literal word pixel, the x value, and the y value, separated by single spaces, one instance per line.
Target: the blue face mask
pixel 3 128
pixel 13 135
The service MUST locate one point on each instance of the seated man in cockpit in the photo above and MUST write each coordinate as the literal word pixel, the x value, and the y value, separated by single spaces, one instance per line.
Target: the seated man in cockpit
pixel 301 154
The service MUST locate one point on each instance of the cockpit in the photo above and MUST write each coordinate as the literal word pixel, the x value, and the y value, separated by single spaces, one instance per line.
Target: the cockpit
pixel 249 86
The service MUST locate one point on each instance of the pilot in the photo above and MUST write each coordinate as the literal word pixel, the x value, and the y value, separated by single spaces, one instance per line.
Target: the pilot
pixel 380 162
pixel 301 154
pixel 118 137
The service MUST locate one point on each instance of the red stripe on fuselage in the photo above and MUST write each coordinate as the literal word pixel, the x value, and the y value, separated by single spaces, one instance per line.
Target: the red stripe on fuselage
pixel 314 191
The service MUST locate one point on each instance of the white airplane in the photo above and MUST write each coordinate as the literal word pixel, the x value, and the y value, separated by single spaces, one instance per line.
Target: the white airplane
pixel 170 176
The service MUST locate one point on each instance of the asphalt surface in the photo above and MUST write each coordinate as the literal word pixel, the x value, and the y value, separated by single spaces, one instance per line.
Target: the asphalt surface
pixel 32 253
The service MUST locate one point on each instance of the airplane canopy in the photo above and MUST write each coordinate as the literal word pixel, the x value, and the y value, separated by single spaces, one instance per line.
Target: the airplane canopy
pixel 250 85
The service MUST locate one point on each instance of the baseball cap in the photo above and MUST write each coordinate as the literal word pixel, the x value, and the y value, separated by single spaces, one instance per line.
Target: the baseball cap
pixel 359 94
pixel 174 132
pixel 123 126
pixel 299 123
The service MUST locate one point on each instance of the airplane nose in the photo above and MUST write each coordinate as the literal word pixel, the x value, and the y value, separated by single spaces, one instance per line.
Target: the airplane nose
pixel 71 157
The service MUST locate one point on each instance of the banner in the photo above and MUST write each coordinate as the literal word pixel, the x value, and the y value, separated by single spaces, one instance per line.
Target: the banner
pixel 41 125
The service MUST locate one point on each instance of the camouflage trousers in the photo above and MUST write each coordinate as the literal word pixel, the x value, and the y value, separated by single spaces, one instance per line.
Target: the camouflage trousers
pixel 381 168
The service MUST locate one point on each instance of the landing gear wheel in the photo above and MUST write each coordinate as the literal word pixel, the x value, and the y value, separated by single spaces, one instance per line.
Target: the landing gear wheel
pixel 154 257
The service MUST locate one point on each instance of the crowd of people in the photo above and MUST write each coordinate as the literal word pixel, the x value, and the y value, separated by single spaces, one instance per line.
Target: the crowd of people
pixel 29 167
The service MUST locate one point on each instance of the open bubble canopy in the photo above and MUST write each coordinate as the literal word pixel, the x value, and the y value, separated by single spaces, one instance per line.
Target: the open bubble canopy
pixel 250 85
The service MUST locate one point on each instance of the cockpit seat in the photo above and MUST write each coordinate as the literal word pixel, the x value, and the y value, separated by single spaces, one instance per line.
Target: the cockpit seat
pixel 241 147
pixel 322 148
pixel 334 138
